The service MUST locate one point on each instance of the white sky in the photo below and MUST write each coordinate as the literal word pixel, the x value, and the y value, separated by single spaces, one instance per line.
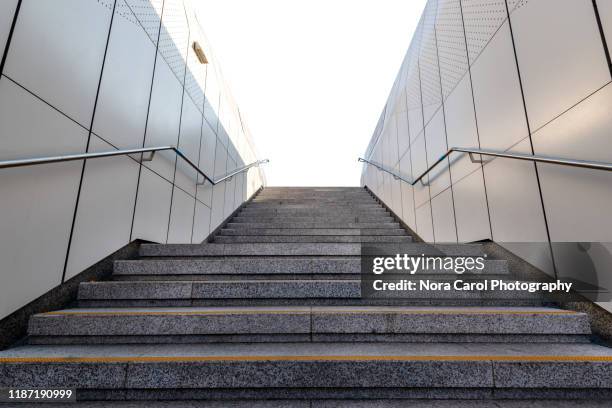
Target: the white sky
pixel 310 77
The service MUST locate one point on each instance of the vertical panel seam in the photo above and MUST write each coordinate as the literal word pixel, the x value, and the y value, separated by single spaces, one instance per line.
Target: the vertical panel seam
pixel 144 136
pixel 178 140
pixel 535 165
pixel 602 34
pixel 9 38
pixel 399 167
pixel 484 182
pixel 195 202
pixel 450 174
pixel 433 233
pixel 93 115
pixel 409 151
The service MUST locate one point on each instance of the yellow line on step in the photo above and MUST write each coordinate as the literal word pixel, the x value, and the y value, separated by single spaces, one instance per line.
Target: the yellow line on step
pixel 306 312
pixel 305 358
pixel 185 313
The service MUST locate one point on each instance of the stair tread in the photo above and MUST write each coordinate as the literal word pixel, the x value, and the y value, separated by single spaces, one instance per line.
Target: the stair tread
pixel 296 351
pixel 463 310
pixel 332 248
pixel 274 302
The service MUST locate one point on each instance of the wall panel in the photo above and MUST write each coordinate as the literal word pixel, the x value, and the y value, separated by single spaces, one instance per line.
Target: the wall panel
pixel 106 205
pixel 201 223
pixel 461 128
pixel 152 207
pixel 586 194
pixel 121 112
pixel 444 217
pixel 497 94
pixel 605 12
pixel 471 208
pixel 181 217
pixel 68 78
pixel 435 135
pixel 189 145
pixel 424 225
pixel 562 64
pixel 164 118
pixel 37 202
pixel 7 11
pixel 463 55
pixel 47 98
pixel 514 204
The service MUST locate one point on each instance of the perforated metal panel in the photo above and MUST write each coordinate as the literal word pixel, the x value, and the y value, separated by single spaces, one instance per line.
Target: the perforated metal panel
pixel 413 88
pixel 106 3
pixel 452 52
pixel 516 4
pixel 148 14
pixel 174 37
pixel 428 60
pixel 482 18
pixel 195 77
pixel 123 10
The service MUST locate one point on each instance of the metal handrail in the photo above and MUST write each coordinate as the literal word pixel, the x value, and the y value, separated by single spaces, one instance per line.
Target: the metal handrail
pixel 518 156
pixel 152 150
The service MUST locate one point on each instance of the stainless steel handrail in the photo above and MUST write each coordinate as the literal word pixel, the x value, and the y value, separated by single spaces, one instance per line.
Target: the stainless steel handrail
pixel 518 156
pixel 152 150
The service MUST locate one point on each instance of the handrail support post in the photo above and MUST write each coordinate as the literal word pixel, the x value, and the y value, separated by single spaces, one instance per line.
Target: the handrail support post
pixel 473 159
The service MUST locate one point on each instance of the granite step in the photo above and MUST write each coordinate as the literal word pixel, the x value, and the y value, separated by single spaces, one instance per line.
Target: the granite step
pixel 281 209
pixel 259 265
pixel 287 267
pixel 311 193
pixel 266 324
pixel 314 206
pixel 314 212
pixel 279 292
pixel 315 231
pixel 295 369
pixel 307 249
pixel 232 239
pixel 336 403
pixel 315 200
pixel 287 218
pixel 310 197
pixel 324 225
pixel 307 207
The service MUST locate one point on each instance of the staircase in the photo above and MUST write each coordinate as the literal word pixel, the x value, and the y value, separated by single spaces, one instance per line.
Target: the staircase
pixel 270 314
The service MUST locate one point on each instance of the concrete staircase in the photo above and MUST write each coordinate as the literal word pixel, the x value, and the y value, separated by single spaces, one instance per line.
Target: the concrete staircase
pixel 270 314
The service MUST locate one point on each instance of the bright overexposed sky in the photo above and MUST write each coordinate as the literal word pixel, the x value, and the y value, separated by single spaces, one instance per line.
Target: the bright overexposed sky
pixel 311 77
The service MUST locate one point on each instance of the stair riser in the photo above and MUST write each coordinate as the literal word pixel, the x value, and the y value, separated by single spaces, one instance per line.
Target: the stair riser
pixel 288 267
pixel 304 338
pixel 330 275
pixel 308 323
pixel 310 239
pixel 313 208
pixel 290 289
pixel 323 212
pixel 311 197
pixel 313 231
pixel 312 214
pixel 271 206
pixel 290 218
pixel 309 374
pixel 315 200
pixel 325 225
pixel 308 302
pixel 307 249
pixel 240 266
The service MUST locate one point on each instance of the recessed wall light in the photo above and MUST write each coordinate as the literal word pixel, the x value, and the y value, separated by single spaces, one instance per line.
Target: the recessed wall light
pixel 199 53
